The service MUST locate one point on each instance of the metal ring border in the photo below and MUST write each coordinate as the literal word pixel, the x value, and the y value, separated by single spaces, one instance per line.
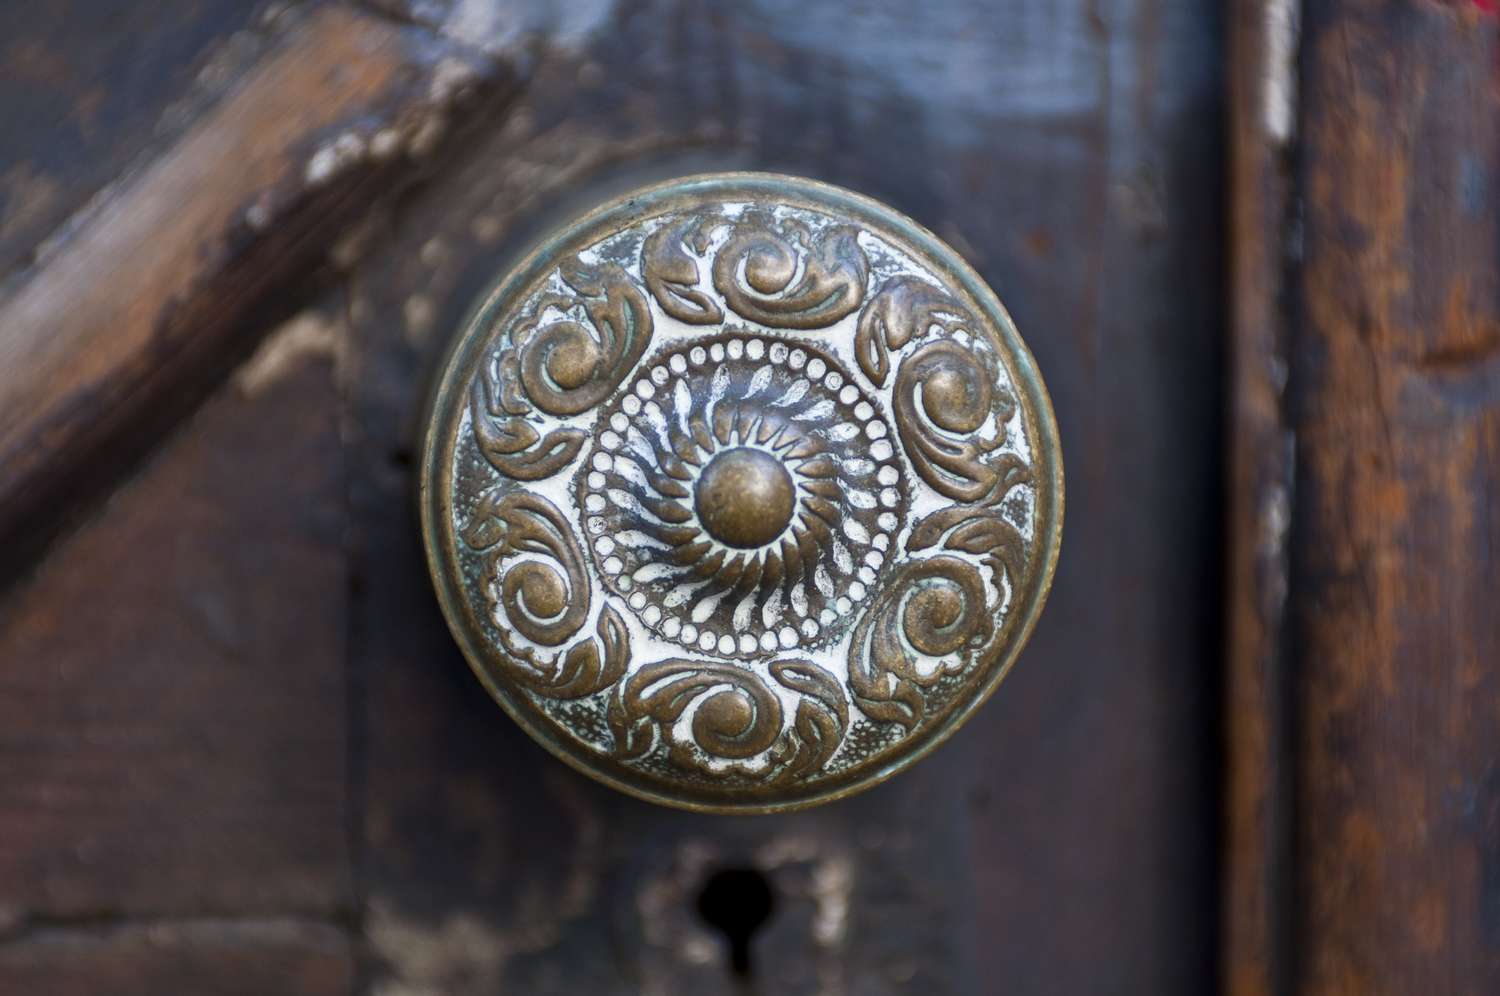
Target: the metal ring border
pixel 435 462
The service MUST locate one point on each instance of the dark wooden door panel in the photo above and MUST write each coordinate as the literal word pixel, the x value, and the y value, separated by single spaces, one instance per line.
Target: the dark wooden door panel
pixel 174 800
pixel 1063 842
pixel 1076 164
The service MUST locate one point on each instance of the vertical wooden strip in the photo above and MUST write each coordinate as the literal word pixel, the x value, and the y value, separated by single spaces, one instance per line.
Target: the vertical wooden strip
pixel 1395 568
pixel 1262 124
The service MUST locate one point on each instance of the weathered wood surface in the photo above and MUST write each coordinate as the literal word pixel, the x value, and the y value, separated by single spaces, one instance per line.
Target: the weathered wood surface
pixel 89 87
pixel 1363 705
pixel 1260 449
pixel 271 958
pixel 146 296
pixel 1064 841
pixel 172 679
pixel 173 686
pixel 1061 843
pixel 1394 562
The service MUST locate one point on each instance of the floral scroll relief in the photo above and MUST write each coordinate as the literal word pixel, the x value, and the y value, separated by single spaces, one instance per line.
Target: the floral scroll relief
pixel 572 386
pixel 776 272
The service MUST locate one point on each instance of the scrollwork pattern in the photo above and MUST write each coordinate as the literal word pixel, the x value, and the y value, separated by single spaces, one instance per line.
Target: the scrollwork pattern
pixel 511 444
pixel 931 609
pixel 569 367
pixel 902 310
pixel 819 726
pixel 777 273
pixel 671 274
pixel 984 531
pixel 765 278
pixel 939 428
pixel 560 367
pixel 735 716
pixel 854 573
pixel 543 604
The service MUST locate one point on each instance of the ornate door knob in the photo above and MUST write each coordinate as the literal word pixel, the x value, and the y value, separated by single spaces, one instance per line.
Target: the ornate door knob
pixel 741 493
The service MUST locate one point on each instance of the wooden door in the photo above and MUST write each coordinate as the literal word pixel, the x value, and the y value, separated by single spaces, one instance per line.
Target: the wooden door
pixel 1251 747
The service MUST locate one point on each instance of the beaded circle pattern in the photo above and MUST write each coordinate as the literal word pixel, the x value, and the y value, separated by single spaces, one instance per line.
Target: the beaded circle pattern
pixel 741 493
pixel 792 577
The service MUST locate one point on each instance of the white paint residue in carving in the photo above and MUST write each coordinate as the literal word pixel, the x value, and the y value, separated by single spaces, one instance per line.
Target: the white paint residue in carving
pixel 505 25
pixel 333 158
pixel 307 336
pixel 1279 80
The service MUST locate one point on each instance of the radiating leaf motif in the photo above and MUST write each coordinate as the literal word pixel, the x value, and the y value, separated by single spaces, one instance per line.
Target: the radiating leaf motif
pixel 793 395
pixel 723 402
pixel 759 381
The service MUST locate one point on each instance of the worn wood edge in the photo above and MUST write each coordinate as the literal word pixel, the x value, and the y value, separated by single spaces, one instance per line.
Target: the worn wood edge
pixel 311 955
pixel 143 303
pixel 1397 404
pixel 38 930
pixel 1256 877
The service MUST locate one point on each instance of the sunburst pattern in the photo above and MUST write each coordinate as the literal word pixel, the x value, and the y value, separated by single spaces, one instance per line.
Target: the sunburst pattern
pixel 795 442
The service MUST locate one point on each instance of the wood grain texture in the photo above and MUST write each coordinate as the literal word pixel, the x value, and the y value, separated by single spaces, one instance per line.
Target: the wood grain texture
pixel 1396 374
pixel 285 958
pixel 1095 817
pixel 1062 842
pixel 87 87
pixel 1255 857
pixel 172 685
pixel 142 301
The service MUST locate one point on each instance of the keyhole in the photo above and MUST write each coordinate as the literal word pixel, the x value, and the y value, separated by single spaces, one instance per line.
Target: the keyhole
pixel 738 901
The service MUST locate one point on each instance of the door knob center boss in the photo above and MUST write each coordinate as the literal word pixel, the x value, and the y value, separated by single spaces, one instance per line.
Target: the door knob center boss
pixel 741 493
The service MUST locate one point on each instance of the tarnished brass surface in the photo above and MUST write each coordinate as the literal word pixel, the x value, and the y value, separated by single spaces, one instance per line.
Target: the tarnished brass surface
pixel 741 492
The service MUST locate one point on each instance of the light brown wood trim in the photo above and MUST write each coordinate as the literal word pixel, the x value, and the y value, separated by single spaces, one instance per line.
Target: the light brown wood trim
pixel 1362 808
pixel 1256 883
pixel 1395 566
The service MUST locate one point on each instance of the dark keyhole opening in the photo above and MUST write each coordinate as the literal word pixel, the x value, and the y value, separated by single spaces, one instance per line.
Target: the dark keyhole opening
pixel 738 901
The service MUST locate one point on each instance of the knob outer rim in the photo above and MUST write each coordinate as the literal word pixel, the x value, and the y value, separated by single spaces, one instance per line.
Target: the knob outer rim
pixel 447 395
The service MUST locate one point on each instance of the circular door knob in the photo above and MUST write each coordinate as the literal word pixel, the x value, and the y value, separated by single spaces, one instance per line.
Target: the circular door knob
pixel 741 492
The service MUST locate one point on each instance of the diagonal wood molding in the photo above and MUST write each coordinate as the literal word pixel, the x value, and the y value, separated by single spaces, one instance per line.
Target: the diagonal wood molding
pixel 146 299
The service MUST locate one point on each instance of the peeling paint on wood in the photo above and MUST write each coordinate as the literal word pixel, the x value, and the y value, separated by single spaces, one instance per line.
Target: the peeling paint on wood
pixel 307 336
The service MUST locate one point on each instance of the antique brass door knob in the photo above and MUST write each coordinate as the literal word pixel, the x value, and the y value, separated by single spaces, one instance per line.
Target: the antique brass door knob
pixel 741 493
